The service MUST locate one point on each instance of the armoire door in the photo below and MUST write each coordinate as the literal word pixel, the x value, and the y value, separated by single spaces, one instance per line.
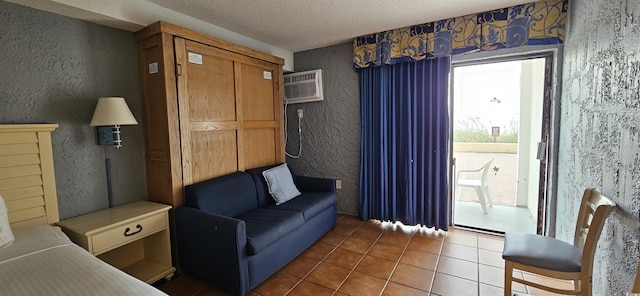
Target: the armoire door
pixel 228 107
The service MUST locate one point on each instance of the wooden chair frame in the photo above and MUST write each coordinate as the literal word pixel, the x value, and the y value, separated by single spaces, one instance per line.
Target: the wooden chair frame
pixel 594 209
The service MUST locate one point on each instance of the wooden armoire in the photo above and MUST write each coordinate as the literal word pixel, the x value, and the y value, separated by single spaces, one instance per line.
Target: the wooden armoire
pixel 211 108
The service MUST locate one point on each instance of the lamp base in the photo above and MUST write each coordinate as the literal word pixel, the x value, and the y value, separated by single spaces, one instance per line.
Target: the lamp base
pixel 105 135
pixel 109 136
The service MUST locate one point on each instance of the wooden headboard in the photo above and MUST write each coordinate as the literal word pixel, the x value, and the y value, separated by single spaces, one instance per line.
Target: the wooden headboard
pixel 27 180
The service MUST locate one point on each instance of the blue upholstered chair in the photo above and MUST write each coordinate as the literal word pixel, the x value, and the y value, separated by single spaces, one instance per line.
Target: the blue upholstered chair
pixel 557 259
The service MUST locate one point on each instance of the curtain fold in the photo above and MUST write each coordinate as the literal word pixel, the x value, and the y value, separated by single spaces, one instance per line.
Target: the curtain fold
pixel 536 23
pixel 405 136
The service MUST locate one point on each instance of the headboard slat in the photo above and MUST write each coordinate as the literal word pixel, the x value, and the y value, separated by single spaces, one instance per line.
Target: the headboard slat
pixel 19 149
pixel 21 171
pixel 27 180
pixel 24 192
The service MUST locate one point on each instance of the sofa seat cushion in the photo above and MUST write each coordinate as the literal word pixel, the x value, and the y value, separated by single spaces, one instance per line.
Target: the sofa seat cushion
pixel 308 203
pixel 265 226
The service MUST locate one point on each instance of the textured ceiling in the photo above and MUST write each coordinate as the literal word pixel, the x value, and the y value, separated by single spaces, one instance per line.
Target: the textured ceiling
pixel 298 25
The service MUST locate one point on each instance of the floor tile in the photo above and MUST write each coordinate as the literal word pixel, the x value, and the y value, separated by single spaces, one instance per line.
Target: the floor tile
pixel 394 289
pixel 333 238
pixel 352 220
pixel 328 275
pixel 457 267
pixel 495 276
pixel 300 266
pixel 357 244
pixel 183 285
pixel 375 266
pixel 491 275
pixel 343 228
pixel 387 251
pixel 344 258
pixel 373 225
pixel 277 285
pixel 494 243
pixel 211 291
pixel 459 252
pixel 425 244
pixel 420 259
pixel 367 232
pixel 444 284
pixel 396 238
pixel 305 288
pixel 318 251
pixel 412 276
pixel 462 238
pixel 488 290
pixel 362 284
pixel 490 258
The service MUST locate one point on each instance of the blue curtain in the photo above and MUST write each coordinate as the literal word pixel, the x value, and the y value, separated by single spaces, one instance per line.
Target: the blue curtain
pixel 404 170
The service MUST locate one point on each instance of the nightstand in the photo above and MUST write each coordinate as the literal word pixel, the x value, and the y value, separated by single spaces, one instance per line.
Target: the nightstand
pixel 133 238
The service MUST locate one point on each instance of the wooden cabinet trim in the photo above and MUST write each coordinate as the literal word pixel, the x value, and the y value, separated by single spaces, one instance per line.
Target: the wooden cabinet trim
pixel 164 27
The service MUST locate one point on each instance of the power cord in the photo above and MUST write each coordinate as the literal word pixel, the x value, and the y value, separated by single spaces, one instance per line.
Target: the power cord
pixel 286 134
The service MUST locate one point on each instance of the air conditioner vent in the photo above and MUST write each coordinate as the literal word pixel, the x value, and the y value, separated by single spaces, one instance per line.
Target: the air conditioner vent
pixel 303 87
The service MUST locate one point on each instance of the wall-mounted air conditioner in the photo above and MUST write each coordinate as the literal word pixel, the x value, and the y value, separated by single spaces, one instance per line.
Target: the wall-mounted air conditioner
pixel 303 87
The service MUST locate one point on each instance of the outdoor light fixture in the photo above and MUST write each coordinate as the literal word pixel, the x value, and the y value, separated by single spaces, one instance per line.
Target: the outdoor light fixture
pixel 110 114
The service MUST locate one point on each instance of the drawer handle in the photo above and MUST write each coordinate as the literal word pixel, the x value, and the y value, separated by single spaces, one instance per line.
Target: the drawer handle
pixel 127 233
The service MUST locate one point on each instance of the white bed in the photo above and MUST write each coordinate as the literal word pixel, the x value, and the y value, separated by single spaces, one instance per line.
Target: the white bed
pixel 42 260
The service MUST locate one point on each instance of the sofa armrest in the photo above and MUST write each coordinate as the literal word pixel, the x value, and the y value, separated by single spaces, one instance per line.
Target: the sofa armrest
pixel 213 248
pixel 312 184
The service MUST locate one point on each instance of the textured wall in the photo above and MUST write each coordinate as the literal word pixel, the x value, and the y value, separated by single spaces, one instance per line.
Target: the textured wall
pixel 331 128
pixel 53 70
pixel 600 131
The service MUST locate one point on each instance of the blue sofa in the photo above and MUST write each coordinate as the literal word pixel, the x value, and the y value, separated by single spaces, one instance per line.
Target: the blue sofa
pixel 231 234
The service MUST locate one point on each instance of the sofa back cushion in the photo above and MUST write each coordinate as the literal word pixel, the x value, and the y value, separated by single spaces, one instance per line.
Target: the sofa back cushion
pixel 229 195
pixel 262 191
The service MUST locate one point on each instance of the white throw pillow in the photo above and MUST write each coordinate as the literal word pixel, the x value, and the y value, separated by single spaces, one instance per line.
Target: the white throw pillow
pixel 280 183
pixel 6 236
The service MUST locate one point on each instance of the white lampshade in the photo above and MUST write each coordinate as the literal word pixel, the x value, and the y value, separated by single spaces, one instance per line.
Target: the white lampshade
pixel 112 111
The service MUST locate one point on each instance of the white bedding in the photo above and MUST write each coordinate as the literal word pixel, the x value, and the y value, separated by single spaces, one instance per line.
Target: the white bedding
pixel 43 261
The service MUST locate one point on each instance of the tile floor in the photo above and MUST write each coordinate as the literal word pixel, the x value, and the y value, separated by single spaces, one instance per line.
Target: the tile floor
pixel 373 258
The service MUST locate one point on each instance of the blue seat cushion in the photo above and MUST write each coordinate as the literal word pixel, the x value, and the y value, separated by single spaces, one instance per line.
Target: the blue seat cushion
pixel 265 226
pixel 541 251
pixel 308 203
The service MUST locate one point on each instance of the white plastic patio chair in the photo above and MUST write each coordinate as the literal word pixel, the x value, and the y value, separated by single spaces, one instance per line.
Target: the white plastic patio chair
pixel 479 185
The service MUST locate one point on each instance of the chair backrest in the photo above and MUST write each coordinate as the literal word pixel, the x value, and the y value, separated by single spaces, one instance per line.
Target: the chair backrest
pixel 485 170
pixel 594 209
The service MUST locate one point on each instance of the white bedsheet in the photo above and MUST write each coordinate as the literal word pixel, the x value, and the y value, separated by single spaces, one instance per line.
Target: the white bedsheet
pixel 43 261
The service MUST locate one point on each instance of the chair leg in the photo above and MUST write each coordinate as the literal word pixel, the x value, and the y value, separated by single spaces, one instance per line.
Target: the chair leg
pixel 585 285
pixel 480 194
pixel 486 193
pixel 577 285
pixel 458 192
pixel 508 277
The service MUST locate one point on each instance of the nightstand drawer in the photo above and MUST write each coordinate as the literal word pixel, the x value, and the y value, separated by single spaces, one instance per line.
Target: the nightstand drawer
pixel 125 233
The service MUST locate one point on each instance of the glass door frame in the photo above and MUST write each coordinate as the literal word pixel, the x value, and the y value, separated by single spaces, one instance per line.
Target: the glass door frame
pixel 550 130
